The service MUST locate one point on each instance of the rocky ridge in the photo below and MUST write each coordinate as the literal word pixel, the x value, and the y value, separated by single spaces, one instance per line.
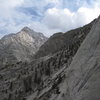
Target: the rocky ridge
pixel 44 77
pixel 60 41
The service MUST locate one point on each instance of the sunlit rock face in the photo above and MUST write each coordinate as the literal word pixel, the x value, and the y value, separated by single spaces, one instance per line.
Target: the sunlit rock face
pixel 20 46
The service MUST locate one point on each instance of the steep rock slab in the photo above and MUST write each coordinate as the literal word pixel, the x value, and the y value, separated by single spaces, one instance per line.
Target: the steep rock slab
pixel 83 76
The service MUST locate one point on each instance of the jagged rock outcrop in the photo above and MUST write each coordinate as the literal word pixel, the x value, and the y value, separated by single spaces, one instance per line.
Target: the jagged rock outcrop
pixel 20 46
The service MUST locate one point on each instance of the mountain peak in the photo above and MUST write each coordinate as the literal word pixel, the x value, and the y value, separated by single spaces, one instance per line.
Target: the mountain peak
pixel 23 44
pixel 27 29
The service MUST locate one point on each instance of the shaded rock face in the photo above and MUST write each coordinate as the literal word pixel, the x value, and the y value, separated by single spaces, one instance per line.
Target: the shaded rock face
pixel 59 41
pixel 64 73
pixel 20 46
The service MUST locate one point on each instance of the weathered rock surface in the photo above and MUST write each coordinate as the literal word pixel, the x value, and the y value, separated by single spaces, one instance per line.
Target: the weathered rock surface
pixel 51 77
pixel 81 80
pixel 84 78
pixel 20 46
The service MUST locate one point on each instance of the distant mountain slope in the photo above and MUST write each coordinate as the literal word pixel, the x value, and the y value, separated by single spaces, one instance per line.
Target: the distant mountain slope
pixel 60 40
pixel 20 46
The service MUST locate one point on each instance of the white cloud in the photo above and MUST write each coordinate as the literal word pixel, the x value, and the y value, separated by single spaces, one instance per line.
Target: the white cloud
pixel 40 27
pixel 55 19
pixel 9 17
pixel 64 19
pixel 58 18
pixel 11 3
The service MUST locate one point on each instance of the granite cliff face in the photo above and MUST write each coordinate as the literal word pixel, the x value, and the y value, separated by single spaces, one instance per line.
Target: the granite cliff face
pixel 20 46
pixel 84 72
pixel 70 71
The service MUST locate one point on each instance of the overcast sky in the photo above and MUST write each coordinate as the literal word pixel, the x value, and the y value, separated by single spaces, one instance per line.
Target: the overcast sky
pixel 46 16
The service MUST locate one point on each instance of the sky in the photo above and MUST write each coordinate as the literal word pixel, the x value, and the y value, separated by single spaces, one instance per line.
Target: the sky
pixel 46 16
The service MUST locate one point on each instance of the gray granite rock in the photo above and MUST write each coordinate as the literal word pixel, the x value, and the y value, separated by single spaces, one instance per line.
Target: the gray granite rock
pixel 20 46
pixel 83 75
